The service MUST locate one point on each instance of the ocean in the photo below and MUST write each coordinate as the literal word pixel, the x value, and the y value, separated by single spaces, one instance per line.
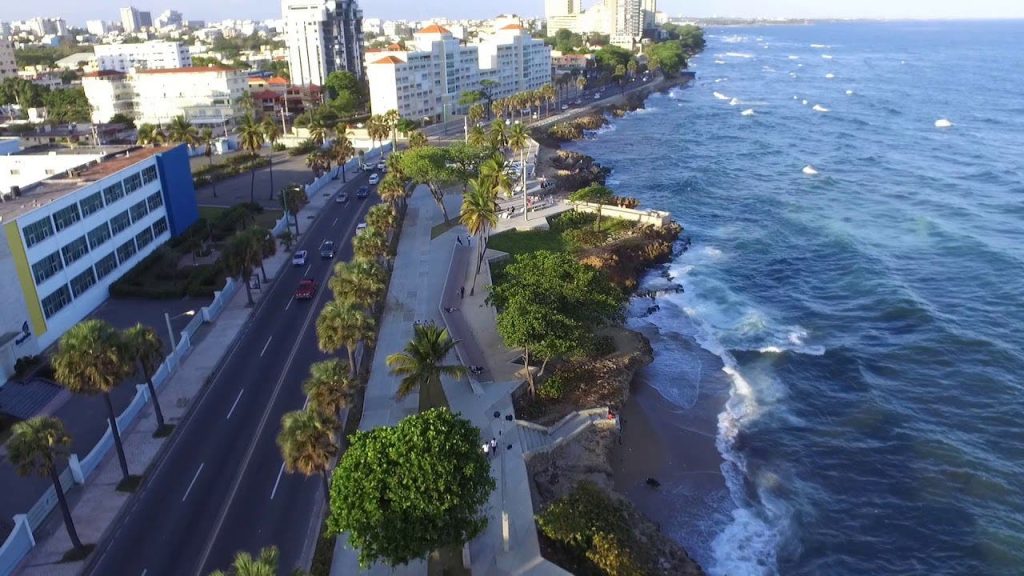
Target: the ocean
pixel 854 194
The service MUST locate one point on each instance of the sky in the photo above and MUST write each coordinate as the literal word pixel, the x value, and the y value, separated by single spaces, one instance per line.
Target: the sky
pixel 77 12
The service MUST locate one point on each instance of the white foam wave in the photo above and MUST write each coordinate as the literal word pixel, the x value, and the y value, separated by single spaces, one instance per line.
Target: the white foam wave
pixel 719 61
pixel 767 69
pixel 799 65
pixel 820 46
pixel 735 39
pixel 734 102
pixel 830 75
pixel 943 123
pixel 804 102
pixel 809 170
pixel 826 56
pixel 739 55
pixel 792 74
pixel 747 112
pixel 720 96
pixel 849 92
pixel 791 57
pixel 820 108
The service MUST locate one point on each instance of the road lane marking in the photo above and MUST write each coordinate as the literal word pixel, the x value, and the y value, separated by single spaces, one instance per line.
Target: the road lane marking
pixel 232 411
pixel 306 273
pixel 278 481
pixel 193 482
pixel 289 302
pixel 335 223
pixel 144 571
pixel 265 346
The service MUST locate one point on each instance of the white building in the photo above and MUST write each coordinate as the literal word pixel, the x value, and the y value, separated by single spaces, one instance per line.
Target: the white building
pixel 207 97
pixel 78 225
pixel 428 80
pixel 8 65
pixel 322 36
pixel 97 27
pixel 146 55
pixel 133 20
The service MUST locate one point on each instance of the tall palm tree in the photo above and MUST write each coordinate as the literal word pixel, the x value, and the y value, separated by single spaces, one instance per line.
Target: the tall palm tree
pixel 497 107
pixel 341 152
pixel 329 387
pixel 360 282
pixel 293 198
pixel 317 131
pixel 34 449
pixel 495 172
pixel 272 133
pixel 476 136
pixel 92 359
pixel 581 83
pixel 317 162
pixel 343 324
pixel 476 113
pixel 243 253
pixel 150 135
pixel 394 166
pixel 182 131
pixel 250 133
pixel 391 189
pixel 146 348
pixel 266 564
pixel 518 140
pixel 479 214
pixel 391 120
pixel 206 139
pixel 499 134
pixel 307 444
pixel 421 365
pixel 371 245
pixel 417 139
pixel 381 217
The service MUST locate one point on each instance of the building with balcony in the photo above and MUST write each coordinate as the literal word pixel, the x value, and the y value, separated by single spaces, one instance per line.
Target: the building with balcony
pixel 8 66
pixel 155 54
pixel 72 225
pixel 322 36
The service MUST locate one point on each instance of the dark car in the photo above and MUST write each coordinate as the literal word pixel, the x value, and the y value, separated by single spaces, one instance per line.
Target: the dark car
pixel 363 192
pixel 327 249
pixel 306 289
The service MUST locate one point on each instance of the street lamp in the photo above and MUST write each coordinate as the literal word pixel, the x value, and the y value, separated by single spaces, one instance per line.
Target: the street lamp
pixel 170 331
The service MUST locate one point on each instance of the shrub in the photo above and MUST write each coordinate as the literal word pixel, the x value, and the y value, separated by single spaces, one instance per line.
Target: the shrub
pixel 304 147
pixel 580 238
pixel 278 147
pixel 553 387
pixel 24 365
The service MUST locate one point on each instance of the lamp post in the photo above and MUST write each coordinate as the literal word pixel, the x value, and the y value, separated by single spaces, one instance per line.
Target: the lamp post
pixel 170 331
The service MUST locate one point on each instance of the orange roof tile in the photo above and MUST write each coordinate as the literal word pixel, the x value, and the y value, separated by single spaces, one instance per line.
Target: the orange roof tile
pixel 388 60
pixel 394 47
pixel 278 81
pixel 434 29
pixel 187 70
pixel 513 27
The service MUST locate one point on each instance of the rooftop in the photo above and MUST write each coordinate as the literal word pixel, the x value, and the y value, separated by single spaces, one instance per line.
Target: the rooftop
pixel 388 60
pixel 187 70
pixel 434 29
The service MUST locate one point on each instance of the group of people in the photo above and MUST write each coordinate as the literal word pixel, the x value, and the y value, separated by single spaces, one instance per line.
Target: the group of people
pixel 491 448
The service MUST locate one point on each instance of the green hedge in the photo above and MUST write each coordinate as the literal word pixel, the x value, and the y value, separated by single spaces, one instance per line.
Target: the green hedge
pixel 232 166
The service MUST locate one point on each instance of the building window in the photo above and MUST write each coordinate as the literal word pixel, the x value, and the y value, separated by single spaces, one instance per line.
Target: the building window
pixel 155 201
pixel 46 267
pixel 159 227
pixel 139 211
pixel 58 299
pixel 132 183
pixel 105 265
pixel 37 231
pixel 148 174
pixel 113 193
pixel 120 222
pixel 82 282
pixel 126 251
pixel 75 249
pixel 91 204
pixel 99 235
pixel 66 217
pixel 142 239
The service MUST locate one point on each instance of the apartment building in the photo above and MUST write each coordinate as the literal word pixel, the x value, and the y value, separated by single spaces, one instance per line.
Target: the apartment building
pixel 427 81
pixel 207 97
pixel 8 66
pixel 73 225
pixel 155 54
pixel 322 36
pixel 134 20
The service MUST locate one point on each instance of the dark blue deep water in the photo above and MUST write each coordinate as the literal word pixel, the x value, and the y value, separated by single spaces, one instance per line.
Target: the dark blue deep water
pixel 870 317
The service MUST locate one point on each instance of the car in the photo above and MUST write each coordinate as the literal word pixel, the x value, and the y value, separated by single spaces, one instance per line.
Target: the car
pixel 306 289
pixel 374 179
pixel 382 166
pixel 597 96
pixel 363 192
pixel 577 102
pixel 341 198
pixel 299 258
pixel 327 249
pixel 368 167
pixel 360 228
pixel 565 106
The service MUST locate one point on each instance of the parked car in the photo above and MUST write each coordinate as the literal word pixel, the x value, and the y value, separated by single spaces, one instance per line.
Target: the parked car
pixel 327 249
pixel 368 167
pixel 374 179
pixel 382 166
pixel 299 258
pixel 363 192
pixel 565 106
pixel 306 289
pixel 597 96
pixel 360 228
pixel 341 198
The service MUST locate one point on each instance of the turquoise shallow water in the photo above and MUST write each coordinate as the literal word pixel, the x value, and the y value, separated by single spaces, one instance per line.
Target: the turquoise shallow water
pixel 869 316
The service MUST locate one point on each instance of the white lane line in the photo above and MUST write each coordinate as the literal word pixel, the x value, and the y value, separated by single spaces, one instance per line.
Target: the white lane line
pixel 278 481
pixel 265 346
pixel 144 571
pixel 289 302
pixel 306 273
pixel 232 411
pixel 191 484
pixel 335 223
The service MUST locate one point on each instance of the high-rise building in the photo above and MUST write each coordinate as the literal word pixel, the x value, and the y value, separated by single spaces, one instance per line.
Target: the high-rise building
pixel 97 27
pixel 8 65
pixel 323 36
pixel 169 18
pixel 154 54
pixel 134 20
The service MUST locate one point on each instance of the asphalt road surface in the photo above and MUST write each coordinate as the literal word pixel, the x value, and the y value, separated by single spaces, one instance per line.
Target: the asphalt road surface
pixel 219 487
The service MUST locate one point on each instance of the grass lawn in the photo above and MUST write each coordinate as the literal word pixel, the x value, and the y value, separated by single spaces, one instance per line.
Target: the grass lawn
pixel 265 219
pixel 517 242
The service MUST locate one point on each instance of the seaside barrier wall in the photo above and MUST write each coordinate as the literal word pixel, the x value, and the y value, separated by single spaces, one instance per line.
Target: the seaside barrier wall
pixel 21 539
pixel 657 218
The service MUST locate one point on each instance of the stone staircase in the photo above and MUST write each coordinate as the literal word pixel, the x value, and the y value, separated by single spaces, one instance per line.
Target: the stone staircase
pixel 535 438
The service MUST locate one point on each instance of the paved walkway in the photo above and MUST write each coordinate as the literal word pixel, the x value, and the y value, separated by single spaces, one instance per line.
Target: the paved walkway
pixel 96 504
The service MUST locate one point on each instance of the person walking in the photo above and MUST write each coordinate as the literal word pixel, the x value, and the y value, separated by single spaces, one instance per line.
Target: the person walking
pixel 458 239
pixel 494 446
pixel 487 449
pixel 462 292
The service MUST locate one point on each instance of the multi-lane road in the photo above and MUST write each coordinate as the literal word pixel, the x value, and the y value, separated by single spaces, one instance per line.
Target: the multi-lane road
pixel 220 486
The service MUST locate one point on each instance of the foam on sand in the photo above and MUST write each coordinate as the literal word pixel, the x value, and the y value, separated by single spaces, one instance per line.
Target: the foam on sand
pixel 820 108
pixel 747 112
pixel 943 123
pixel 809 170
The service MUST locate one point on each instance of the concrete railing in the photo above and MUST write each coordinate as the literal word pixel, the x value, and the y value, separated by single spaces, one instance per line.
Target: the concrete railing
pixel 21 539
pixel 657 218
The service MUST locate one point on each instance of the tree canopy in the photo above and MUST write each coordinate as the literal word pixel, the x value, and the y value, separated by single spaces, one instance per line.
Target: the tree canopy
pixel 610 56
pixel 668 56
pixel 689 36
pixel 345 91
pixel 406 490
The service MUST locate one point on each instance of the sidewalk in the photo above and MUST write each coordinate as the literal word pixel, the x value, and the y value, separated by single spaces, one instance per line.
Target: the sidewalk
pixel 96 504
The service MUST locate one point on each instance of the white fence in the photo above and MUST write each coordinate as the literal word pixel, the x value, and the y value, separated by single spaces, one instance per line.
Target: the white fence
pixel 21 539
pixel 656 218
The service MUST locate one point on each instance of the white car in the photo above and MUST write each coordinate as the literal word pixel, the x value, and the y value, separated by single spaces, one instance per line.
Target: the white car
pixel 374 178
pixel 341 198
pixel 565 106
pixel 382 166
pixel 360 228
pixel 299 258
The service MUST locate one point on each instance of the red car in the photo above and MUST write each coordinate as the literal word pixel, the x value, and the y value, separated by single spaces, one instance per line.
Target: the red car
pixel 306 289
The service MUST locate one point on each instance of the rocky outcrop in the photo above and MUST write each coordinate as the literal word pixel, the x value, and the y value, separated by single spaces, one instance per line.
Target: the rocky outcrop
pixel 626 259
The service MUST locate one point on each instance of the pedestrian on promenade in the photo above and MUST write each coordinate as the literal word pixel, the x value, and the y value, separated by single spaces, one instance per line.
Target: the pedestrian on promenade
pixel 458 239
pixel 487 448
pixel 494 445
pixel 462 292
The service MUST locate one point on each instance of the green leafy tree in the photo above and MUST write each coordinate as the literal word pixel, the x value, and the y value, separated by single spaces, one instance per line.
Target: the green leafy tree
pixel 429 165
pixel 251 136
pixel 144 345
pixel 123 119
pixel 343 324
pixel 609 57
pixel 402 492
pixel 93 359
pixel 65 106
pixel 596 194
pixel 34 449
pixel 421 365
pixel 287 239
pixel 307 444
pixel 345 92
pixel 667 57
pixel 417 139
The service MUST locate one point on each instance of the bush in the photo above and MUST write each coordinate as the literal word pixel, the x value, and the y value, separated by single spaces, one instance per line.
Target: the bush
pixel 24 365
pixel 571 219
pixel 278 147
pixel 580 238
pixel 553 387
pixel 304 147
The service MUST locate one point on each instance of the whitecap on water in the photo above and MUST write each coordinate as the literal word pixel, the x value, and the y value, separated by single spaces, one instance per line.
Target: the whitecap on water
pixel 734 102
pixel 720 96
pixel 830 75
pixel 794 57
pixel 826 56
pixel 849 92
pixel 804 102
pixel 820 108
pixel 719 61
pixel 943 123
pixel 748 112
pixel 819 45
pixel 809 170
pixel 739 55
pixel 792 74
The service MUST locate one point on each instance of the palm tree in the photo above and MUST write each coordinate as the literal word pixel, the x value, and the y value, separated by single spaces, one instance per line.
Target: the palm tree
pixel 92 359
pixel 341 152
pixel 266 564
pixel 293 198
pixel 317 131
pixel 497 107
pixel 476 136
pixel 479 214
pixel 476 113
pixel 242 254
pixel 394 166
pixel 150 135
pixel 371 245
pixel 317 161
pixel 391 119
pixel 272 133
pixel 518 140
pixel 421 365
pixel 360 282
pixel 417 139
pixel 307 444
pixel 499 134
pixel 250 133
pixel 382 217
pixel 34 449
pixel 329 387
pixel 581 83
pixel 343 324
pixel 494 170
pixel 391 189
pixel 182 131
pixel 146 348
pixel 631 67
pixel 206 139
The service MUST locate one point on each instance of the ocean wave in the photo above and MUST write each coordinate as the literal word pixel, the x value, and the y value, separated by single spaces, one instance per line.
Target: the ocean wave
pixel 820 46
pixel 739 55
pixel 719 96
pixel 826 56
pixel 820 108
